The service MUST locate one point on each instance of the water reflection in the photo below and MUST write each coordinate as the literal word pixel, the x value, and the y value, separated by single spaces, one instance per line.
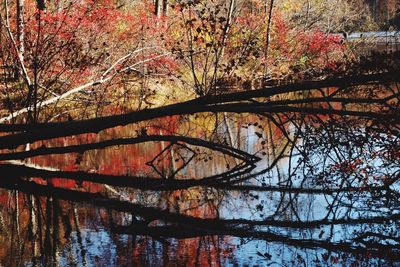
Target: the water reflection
pixel 210 189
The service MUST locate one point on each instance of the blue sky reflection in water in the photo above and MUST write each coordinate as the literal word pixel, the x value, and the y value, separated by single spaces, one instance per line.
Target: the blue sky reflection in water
pixel 322 194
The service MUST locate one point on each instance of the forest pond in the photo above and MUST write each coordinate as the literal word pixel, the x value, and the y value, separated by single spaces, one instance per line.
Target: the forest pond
pixel 212 189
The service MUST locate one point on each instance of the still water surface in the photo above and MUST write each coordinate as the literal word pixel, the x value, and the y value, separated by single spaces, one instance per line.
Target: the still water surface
pixel 305 193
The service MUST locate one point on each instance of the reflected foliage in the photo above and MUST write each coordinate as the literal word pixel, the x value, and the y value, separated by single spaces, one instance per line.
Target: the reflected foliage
pixel 293 177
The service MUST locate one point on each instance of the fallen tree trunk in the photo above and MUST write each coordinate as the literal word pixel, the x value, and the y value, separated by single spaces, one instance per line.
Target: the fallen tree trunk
pixel 219 103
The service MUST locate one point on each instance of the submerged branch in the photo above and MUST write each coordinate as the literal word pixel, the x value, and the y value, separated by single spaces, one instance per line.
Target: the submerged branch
pixel 236 153
pixel 184 226
pixel 16 172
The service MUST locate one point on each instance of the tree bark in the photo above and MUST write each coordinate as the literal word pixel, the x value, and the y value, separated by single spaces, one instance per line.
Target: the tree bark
pixel 267 36
pixel 21 27
pixel 165 7
pixel 41 4
pixel 157 8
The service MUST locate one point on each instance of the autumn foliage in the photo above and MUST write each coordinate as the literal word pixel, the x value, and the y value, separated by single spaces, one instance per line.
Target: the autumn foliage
pixel 205 47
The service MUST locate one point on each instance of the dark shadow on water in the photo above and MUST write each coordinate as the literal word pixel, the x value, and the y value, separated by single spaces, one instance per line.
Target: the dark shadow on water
pixel 312 178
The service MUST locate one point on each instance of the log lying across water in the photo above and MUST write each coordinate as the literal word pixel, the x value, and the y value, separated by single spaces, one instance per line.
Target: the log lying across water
pixel 240 102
